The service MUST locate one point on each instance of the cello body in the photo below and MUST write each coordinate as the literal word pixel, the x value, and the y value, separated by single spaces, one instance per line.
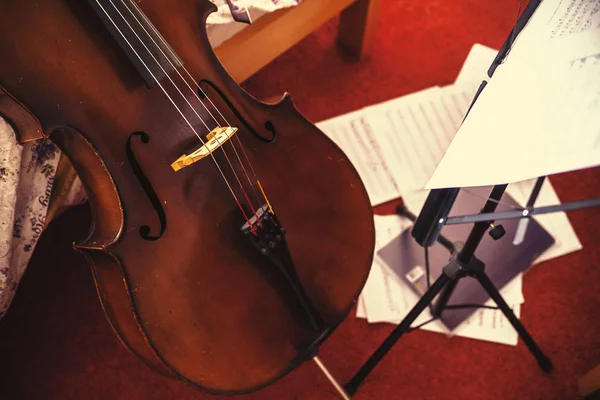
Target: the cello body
pixel 180 283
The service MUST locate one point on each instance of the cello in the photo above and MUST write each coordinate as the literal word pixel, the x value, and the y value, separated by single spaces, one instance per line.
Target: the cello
pixel 229 237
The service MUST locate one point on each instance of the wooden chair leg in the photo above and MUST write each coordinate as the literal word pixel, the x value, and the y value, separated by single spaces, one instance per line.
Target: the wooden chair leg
pixel 356 28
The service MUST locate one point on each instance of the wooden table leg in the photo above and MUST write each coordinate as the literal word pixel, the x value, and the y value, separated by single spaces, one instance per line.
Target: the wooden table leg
pixel 357 25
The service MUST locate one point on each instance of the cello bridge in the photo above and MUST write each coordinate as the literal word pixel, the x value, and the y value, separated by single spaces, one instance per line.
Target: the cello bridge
pixel 215 139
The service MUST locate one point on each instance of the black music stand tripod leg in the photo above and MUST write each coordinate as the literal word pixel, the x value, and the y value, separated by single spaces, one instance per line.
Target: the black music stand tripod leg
pixel 543 361
pixel 449 273
pixel 445 284
pixel 440 304
pixel 476 269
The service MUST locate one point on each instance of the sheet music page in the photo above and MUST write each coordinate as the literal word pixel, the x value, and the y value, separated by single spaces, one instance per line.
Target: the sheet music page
pixel 418 129
pixel 573 17
pixel 366 138
pixel 361 311
pixel 538 114
pixel 572 27
pixel 358 136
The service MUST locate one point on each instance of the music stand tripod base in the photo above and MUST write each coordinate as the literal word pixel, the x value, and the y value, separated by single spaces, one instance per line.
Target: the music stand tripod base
pixel 464 263
pixel 452 272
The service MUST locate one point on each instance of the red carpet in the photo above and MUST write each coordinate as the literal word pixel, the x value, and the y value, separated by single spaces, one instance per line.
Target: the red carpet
pixel 55 343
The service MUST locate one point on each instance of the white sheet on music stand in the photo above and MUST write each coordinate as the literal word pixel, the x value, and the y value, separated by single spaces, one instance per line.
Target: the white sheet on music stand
pixel 540 113
pixel 477 64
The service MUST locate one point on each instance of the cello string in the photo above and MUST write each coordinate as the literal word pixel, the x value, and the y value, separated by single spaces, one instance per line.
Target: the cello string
pixel 124 2
pixel 189 104
pixel 175 106
pixel 205 95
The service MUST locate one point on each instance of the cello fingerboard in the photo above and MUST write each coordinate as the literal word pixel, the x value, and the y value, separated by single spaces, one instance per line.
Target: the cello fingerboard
pixel 153 58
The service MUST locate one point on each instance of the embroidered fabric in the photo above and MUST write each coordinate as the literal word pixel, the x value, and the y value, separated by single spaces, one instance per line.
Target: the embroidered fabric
pixel 27 176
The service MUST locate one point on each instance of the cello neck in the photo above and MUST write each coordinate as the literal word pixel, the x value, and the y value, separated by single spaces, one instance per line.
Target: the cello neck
pixel 130 27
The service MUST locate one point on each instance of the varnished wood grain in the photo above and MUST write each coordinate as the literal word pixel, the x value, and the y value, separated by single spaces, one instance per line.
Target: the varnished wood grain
pixel 207 306
pixel 26 126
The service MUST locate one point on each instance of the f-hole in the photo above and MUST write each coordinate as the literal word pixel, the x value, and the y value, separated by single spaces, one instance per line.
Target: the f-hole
pixel 269 126
pixel 144 230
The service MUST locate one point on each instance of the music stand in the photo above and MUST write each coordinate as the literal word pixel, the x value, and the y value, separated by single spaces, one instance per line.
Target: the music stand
pixel 428 225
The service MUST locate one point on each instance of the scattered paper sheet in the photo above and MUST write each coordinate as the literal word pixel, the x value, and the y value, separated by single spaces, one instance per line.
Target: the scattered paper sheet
pixel 539 113
pixel 357 134
pixel 427 124
pixel 477 64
